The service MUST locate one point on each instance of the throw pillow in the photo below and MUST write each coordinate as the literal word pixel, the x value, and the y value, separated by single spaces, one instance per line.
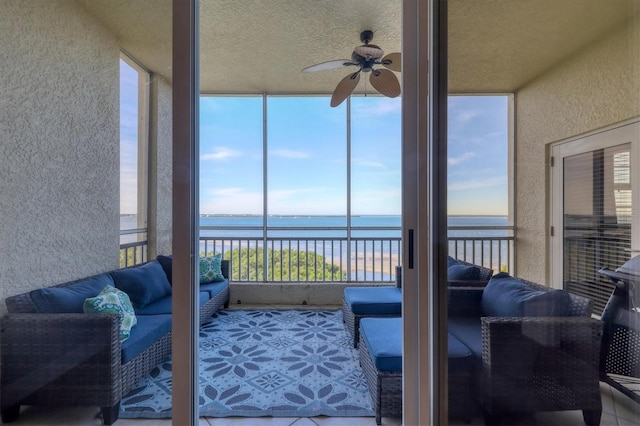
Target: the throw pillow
pixel 211 269
pixel 143 284
pixel 113 301
pixel 463 272
pixel 451 261
pixel 166 262
pixel 506 296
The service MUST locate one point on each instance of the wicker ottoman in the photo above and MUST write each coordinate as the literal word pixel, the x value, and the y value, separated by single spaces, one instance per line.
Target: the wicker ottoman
pixel 362 302
pixel 380 351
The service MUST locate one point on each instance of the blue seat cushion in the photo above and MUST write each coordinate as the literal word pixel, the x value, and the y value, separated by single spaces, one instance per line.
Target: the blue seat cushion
pixel 149 329
pixel 144 284
pixel 506 296
pixel 69 299
pixel 383 337
pixel 468 331
pixel 163 306
pixel 459 356
pixel 214 288
pixel 374 300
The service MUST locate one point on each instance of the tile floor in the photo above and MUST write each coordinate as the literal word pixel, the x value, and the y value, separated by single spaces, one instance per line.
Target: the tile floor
pixel 618 410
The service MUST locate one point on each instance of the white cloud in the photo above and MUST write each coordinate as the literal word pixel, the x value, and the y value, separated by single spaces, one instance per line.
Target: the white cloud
pixel 220 153
pixel 289 153
pixel 375 107
pixel 452 161
pixel 477 183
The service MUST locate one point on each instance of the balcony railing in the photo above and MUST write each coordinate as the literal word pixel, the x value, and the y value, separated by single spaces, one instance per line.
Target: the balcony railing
pixel 133 247
pixel 304 255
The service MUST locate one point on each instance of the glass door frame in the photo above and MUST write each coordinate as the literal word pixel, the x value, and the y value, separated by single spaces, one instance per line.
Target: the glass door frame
pixel 424 31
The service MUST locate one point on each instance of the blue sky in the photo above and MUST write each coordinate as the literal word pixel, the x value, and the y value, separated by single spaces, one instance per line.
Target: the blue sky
pixel 307 155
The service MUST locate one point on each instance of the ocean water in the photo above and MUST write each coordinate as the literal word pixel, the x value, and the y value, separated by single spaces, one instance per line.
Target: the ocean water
pixel 325 226
pixel 326 235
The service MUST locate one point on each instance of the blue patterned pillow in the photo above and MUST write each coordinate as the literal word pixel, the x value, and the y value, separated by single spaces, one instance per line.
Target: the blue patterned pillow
pixel 113 301
pixel 211 269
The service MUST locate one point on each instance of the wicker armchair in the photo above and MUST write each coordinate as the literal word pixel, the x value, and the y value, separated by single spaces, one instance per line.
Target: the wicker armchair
pixel 532 364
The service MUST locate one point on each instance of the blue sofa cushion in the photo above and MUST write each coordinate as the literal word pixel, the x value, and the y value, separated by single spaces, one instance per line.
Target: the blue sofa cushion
pixel 374 300
pixel 69 299
pixel 451 261
pixel 383 337
pixel 166 263
pixel 213 289
pixel 149 329
pixel 506 296
pixel 163 306
pixel 144 284
pixel 463 272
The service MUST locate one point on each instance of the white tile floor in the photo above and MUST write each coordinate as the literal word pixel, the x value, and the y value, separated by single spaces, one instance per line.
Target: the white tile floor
pixel 617 410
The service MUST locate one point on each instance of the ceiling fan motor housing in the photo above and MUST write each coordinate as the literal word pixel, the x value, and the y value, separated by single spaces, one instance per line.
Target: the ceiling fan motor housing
pixel 366 36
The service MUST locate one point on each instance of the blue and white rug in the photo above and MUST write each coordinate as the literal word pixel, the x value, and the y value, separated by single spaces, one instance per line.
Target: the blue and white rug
pixel 280 363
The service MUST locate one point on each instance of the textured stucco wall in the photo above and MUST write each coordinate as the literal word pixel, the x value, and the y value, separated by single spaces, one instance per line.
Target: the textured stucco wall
pixel 597 87
pixel 59 145
pixel 160 168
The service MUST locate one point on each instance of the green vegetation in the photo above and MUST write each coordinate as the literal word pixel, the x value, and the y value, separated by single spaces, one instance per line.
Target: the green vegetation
pixel 283 265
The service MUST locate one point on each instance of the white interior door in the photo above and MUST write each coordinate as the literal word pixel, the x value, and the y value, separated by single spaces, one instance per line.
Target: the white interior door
pixel 595 218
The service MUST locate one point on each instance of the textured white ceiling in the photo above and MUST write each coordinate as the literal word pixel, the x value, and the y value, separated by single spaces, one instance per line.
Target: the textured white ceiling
pixel 260 46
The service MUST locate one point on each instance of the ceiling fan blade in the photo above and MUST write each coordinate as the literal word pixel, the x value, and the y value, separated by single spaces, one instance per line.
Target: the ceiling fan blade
pixel 385 82
pixel 344 88
pixel 393 61
pixel 329 65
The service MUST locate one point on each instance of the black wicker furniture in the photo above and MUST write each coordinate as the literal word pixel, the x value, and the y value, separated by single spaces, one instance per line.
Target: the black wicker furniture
pixel 386 302
pixel 532 360
pixel 78 359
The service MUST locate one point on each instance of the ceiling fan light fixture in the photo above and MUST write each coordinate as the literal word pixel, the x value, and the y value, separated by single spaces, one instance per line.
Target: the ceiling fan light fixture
pixel 369 51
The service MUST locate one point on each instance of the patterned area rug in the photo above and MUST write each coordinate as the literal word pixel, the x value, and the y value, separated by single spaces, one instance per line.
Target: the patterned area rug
pixel 289 363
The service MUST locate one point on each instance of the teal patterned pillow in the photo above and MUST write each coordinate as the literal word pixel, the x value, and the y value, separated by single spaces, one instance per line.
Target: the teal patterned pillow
pixel 211 269
pixel 113 301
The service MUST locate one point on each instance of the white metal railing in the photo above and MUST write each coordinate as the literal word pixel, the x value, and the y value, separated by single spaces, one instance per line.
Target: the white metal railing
pixel 302 255
pixel 133 247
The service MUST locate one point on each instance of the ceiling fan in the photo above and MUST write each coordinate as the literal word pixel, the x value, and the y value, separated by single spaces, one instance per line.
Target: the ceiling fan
pixel 365 57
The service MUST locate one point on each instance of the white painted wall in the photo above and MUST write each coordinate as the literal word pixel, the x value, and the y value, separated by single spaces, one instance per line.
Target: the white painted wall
pixel 597 87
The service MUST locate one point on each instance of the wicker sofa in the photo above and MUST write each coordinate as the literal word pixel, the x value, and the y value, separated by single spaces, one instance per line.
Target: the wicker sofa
pixel 78 359
pixel 540 354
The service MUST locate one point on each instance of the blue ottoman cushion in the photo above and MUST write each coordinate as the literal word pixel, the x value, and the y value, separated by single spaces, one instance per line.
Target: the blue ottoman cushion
pixel 374 300
pixel 383 337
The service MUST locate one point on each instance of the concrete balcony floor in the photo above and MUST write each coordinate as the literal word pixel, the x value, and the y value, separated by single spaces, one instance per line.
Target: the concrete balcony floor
pixel 618 410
